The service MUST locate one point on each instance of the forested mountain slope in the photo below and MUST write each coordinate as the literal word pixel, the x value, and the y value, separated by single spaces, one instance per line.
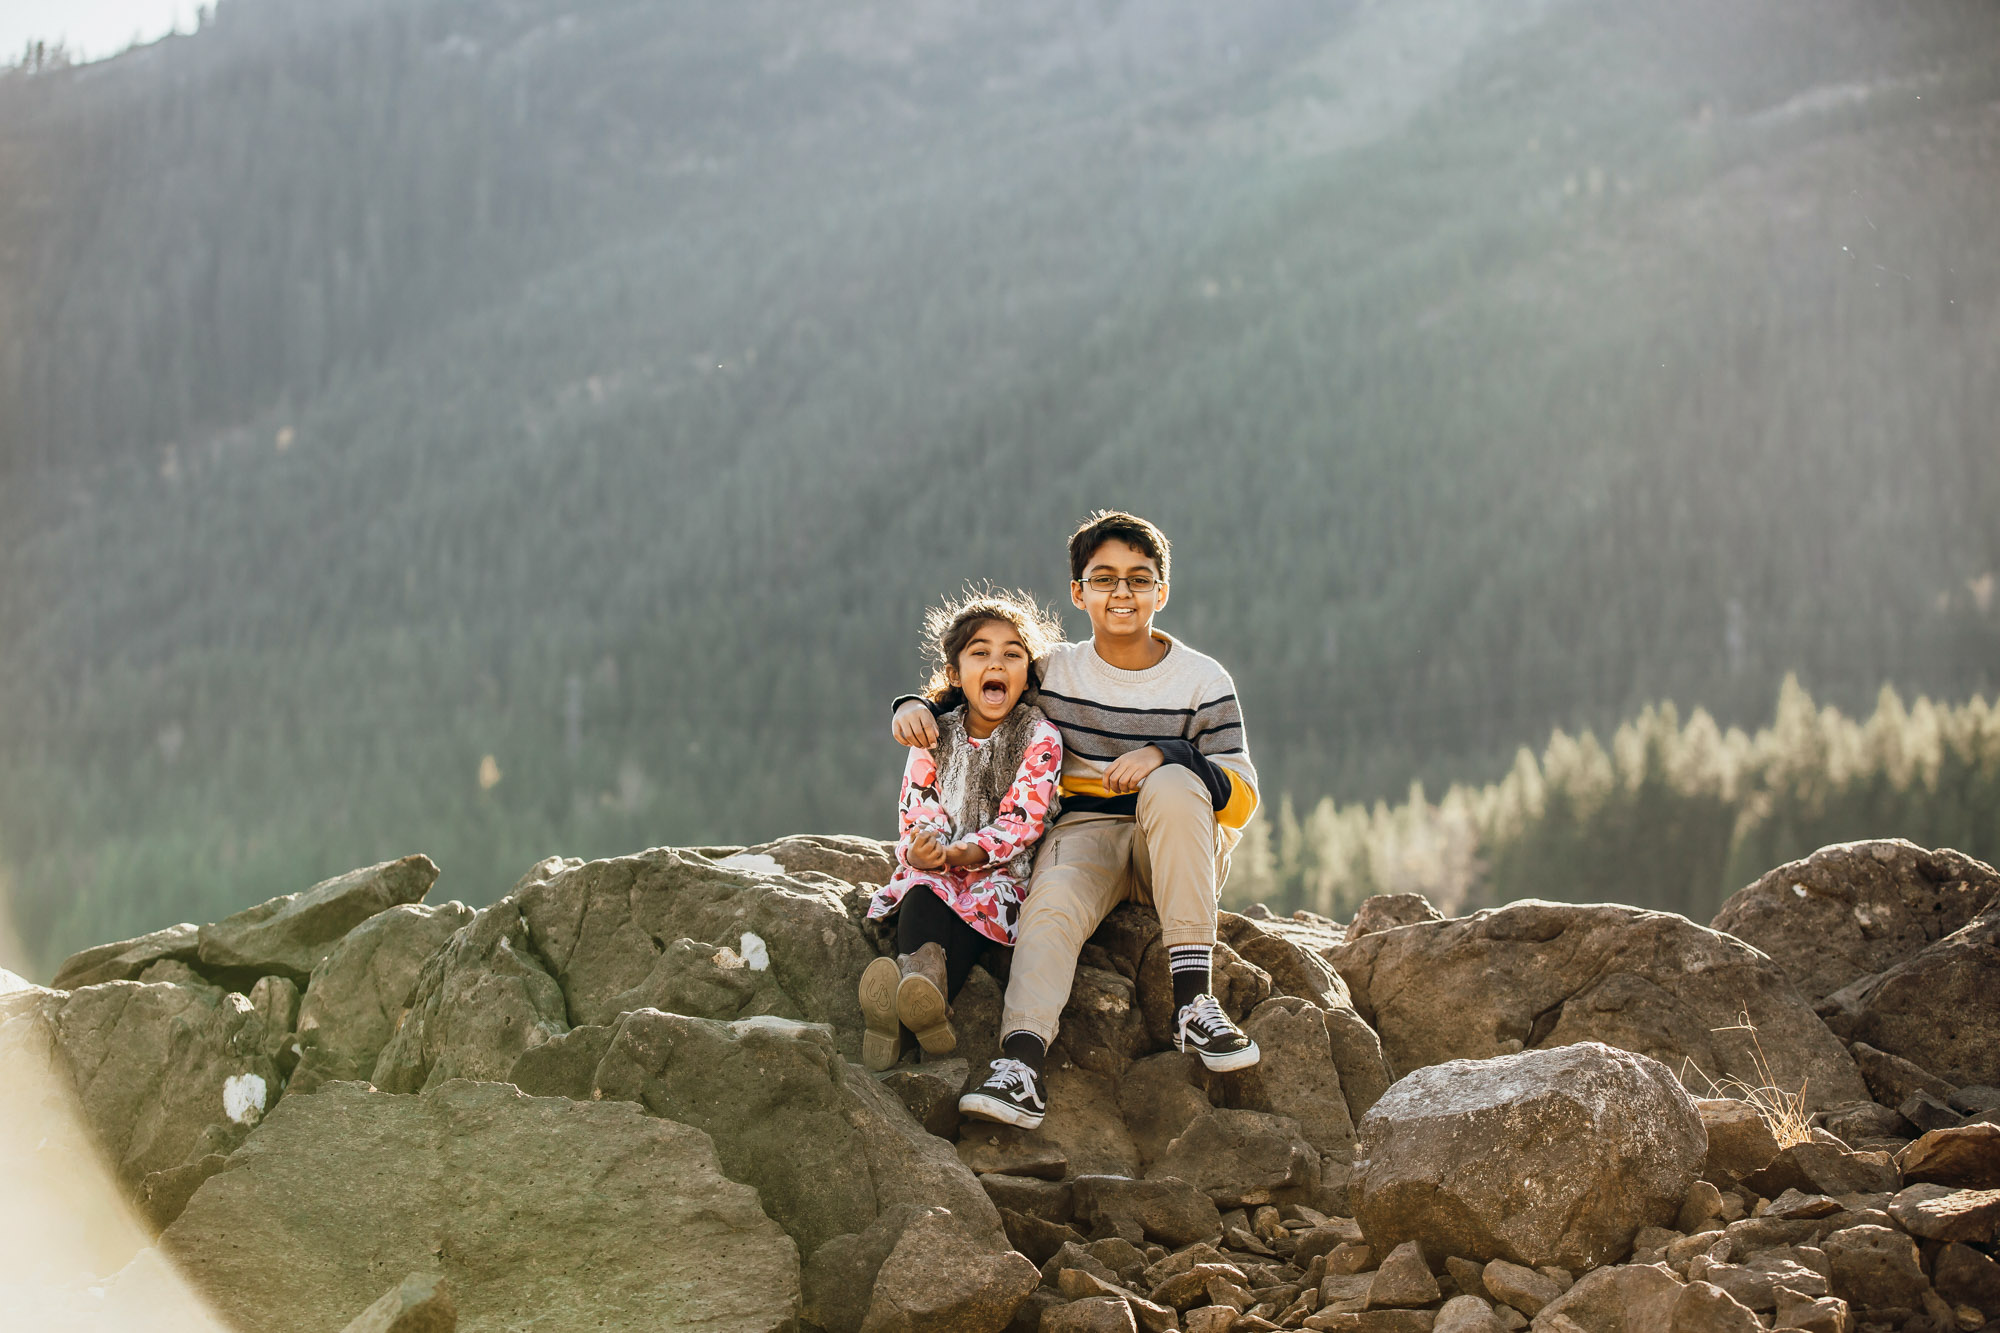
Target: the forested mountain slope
pixel 603 388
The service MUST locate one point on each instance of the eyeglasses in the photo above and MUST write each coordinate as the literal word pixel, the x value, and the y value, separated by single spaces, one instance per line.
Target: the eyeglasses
pixel 1140 584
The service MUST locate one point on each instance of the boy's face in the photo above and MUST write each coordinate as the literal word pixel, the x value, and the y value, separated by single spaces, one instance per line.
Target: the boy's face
pixel 1120 612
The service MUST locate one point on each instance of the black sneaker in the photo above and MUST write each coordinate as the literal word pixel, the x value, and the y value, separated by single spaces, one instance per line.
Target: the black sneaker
pixel 1204 1029
pixel 1012 1094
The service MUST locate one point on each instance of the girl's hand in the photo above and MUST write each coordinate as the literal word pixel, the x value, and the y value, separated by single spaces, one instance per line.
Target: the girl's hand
pixel 967 853
pixel 924 852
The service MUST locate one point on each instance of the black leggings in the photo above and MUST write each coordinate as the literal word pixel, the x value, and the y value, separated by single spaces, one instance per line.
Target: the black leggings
pixel 926 918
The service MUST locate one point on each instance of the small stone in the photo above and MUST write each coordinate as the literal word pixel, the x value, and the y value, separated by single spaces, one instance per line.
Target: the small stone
pixel 1739 1140
pixel 1209 1319
pixel 1703 1202
pixel 1792 1205
pixel 1705 1308
pixel 1079 1258
pixel 1875 1268
pixel 931 1092
pixel 1190 1287
pixel 1510 1319
pixel 1347 1257
pixel 1466 1314
pixel 1928 1111
pixel 1938 1212
pixel 1101 1314
pixel 1373 1321
pixel 1974 1099
pixel 1968 1157
pixel 1816 1314
pixel 1965 1277
pixel 1468 1275
pixel 1404 1280
pixel 1170 1211
pixel 1519 1286
pixel 1121 1257
pixel 1345 1292
pixel 1222 1291
pixel 1034 1237
pixel 1007 1154
pixel 420 1303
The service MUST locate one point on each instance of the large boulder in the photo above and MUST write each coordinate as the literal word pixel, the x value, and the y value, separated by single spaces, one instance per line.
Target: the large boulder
pixel 538 1210
pixel 288 936
pixel 578 943
pixel 1296 1076
pixel 124 960
pixel 1939 1009
pixel 1547 1157
pixel 1857 908
pixel 163 1073
pixel 827 1147
pixel 360 991
pixel 1539 975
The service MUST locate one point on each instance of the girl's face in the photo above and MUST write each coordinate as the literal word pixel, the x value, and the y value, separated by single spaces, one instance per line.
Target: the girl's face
pixel 992 669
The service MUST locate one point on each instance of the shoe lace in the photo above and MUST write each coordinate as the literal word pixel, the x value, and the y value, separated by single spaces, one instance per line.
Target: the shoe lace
pixel 1010 1076
pixel 1205 1011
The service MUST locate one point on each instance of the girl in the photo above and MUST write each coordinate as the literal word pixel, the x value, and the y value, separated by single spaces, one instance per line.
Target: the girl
pixel 971 812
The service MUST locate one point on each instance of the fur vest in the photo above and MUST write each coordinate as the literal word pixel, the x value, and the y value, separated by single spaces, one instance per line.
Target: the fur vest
pixel 972 780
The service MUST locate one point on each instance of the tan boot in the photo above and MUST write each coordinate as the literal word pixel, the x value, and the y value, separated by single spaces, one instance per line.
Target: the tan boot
pixel 882 1042
pixel 920 1000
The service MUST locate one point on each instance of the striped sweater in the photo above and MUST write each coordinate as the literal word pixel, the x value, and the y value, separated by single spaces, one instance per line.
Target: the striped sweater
pixel 1185 704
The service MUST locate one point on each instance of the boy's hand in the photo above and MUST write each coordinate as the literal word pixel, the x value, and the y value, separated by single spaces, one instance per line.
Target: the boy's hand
pixel 1127 771
pixel 925 853
pixel 967 853
pixel 914 726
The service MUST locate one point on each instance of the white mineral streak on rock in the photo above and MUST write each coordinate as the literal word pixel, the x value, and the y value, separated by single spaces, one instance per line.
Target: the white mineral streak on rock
pixel 752 863
pixel 243 1098
pixel 755 955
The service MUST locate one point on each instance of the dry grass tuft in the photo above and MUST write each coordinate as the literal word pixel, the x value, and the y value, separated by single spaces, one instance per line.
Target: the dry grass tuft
pixel 1784 1112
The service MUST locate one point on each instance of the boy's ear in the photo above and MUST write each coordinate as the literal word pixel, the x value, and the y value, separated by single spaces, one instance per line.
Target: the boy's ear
pixel 1076 594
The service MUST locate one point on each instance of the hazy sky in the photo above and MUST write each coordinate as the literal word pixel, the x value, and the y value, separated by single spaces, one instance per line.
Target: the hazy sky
pixel 91 28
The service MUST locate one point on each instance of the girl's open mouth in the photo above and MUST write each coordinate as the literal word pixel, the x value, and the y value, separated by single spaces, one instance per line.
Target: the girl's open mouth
pixel 993 692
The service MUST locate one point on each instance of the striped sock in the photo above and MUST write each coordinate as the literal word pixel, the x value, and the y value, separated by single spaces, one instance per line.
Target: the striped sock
pixel 1190 965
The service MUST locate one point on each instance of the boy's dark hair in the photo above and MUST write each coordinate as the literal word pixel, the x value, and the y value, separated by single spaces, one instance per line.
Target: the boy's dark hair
pixel 1107 525
pixel 949 626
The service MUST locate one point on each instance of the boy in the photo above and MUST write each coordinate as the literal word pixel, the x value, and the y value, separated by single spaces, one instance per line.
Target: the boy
pixel 1156 785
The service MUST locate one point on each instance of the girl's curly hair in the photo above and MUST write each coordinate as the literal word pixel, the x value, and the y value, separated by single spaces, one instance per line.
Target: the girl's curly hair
pixel 949 626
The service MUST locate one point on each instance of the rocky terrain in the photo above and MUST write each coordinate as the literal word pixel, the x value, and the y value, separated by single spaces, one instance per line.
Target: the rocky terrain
pixel 626 1096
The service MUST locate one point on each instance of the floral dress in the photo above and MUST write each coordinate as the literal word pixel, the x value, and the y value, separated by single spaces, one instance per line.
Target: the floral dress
pixel 987 897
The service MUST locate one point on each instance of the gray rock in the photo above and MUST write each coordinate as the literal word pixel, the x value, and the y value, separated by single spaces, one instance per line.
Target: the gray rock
pixel 1938 1009
pixel 931 1091
pixel 1857 908
pixel 1967 1156
pixel 1158 1097
pixel 567 1215
pixel 165 1073
pixel 1541 975
pixel 1101 1027
pixel 564 1066
pixel 1403 1280
pixel 1860 1121
pixel 1167 1210
pixel 1386 911
pixel 1964 1276
pixel 1892 1080
pixel 164 1194
pixel 945 1278
pixel 838 1280
pixel 1548 1157
pixel 1628 1298
pixel 1740 1141
pixel 276 1000
pixel 844 857
pixel 578 943
pixel 1099 1314
pixel 1036 1237
pixel 420 1303
pixel 479 1001
pixel 1703 1307
pixel 1466 1314
pixel 1826 1168
pixel 1284 950
pixel 1296 1076
pixel 288 936
pixel 827 1147
pixel 1816 1314
pixel 1084 1126
pixel 1519 1286
pixel 358 994
pixel 1941 1213
pixel 124 960
pixel 1050 1200
pixel 1241 1158
pixel 1875 1268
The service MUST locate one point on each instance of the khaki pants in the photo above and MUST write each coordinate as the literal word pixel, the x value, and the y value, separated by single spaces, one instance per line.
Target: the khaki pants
pixel 1168 857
